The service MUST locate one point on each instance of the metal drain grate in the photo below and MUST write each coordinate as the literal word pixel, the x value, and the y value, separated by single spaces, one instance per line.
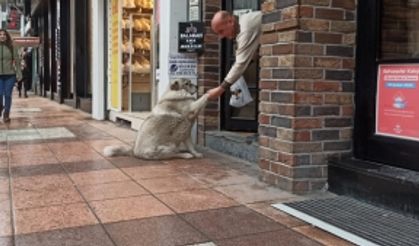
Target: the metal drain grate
pixel 355 221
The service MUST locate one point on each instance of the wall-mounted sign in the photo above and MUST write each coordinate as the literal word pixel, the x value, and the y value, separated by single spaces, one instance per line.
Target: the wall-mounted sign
pixel 26 41
pixel 194 13
pixel 397 107
pixel 13 19
pixel 183 66
pixel 191 37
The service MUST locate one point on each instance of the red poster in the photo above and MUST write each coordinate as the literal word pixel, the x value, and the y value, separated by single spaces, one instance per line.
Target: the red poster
pixel 397 106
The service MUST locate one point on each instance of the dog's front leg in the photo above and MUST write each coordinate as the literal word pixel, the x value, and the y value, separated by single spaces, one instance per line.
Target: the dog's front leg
pixel 197 106
pixel 190 147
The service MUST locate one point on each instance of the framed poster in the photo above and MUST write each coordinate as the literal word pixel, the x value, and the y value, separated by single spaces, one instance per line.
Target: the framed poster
pixel 397 106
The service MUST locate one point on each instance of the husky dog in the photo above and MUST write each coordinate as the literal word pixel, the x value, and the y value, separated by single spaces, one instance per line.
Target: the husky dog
pixel 168 126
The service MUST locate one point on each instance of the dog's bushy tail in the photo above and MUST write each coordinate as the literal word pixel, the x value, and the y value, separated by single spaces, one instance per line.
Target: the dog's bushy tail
pixel 117 150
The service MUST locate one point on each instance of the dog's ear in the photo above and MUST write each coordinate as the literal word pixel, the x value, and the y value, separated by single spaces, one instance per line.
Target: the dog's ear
pixel 175 86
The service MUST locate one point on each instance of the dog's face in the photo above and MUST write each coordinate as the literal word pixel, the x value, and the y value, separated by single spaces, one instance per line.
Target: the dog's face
pixel 183 84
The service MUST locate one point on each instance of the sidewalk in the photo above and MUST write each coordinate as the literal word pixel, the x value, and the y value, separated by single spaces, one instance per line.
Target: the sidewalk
pixel 56 188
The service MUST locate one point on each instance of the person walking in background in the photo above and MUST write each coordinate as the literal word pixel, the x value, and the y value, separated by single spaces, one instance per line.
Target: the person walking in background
pixel 247 30
pixel 9 70
pixel 26 67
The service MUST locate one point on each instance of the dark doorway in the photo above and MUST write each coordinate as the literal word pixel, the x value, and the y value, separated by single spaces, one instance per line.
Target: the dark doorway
pixel 245 118
pixel 387 36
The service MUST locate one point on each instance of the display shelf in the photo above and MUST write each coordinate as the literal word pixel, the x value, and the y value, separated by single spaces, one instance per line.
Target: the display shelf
pixel 136 26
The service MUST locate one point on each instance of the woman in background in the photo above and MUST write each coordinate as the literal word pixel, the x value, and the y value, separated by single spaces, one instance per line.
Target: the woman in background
pixel 9 70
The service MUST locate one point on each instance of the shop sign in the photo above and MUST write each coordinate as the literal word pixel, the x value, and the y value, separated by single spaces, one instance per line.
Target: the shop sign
pixel 26 41
pixel 397 106
pixel 183 66
pixel 191 37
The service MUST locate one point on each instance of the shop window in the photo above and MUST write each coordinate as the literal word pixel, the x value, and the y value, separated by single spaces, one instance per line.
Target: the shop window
pixel 399 29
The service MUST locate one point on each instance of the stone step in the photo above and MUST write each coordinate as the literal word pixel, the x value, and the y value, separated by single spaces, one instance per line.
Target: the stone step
pixel 386 186
pixel 237 144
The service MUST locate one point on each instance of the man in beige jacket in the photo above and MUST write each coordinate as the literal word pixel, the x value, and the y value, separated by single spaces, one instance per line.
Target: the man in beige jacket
pixel 247 31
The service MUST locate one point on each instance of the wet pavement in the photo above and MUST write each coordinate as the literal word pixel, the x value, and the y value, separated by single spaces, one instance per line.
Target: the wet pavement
pixel 56 188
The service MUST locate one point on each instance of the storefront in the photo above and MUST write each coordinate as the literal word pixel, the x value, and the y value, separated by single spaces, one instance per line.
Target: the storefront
pixel 386 137
pixel 336 96
pixel 131 55
pixel 62 60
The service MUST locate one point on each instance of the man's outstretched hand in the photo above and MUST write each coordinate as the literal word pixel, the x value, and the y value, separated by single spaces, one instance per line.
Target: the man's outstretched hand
pixel 215 93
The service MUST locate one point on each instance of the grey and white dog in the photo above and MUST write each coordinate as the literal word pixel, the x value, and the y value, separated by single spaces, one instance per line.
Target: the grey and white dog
pixel 168 126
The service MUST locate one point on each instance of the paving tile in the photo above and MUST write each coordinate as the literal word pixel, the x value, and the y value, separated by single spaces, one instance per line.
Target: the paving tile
pixel 222 176
pixel 275 214
pixel 79 236
pixel 29 149
pixel 111 190
pixel 55 132
pixel 4 173
pixel 321 236
pixel 170 184
pixel 5 223
pixel 193 162
pixel 73 151
pixel 4 202
pixel 230 222
pixel 195 200
pixel 98 177
pixel 28 198
pixel 151 171
pixel 99 145
pixel 84 166
pixel 274 238
pixel 129 208
pixel 22 134
pixel 86 131
pixel 53 217
pixel 253 192
pixel 6 241
pixel 4 162
pixel 31 160
pixel 4 186
pixel 41 182
pixel 157 231
pixel 196 166
pixel 45 169
pixel 129 161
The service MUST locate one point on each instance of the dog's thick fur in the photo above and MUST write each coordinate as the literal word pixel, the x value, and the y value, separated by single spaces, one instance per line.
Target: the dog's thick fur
pixel 168 126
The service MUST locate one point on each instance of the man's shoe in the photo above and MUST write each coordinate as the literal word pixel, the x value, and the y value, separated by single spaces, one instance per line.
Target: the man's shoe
pixel 6 118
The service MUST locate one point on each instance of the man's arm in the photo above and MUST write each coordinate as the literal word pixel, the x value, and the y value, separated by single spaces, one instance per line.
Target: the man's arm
pixel 247 45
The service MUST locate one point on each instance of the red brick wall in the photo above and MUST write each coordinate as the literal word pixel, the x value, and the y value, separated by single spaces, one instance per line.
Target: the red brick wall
pixel 209 71
pixel 306 79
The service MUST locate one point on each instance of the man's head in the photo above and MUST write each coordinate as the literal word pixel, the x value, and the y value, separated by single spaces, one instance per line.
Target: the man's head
pixel 224 24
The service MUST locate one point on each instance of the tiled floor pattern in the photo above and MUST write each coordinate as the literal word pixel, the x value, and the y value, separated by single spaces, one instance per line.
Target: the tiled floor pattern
pixel 56 188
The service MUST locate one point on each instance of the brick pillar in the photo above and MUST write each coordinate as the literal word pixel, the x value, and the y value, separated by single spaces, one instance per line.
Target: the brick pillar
pixel 306 90
pixel 209 71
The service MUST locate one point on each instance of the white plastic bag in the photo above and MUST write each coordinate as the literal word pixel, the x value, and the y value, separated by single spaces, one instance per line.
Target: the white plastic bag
pixel 240 94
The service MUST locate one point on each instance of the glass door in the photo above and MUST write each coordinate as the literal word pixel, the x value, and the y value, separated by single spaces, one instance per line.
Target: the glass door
pixel 387 83
pixel 245 118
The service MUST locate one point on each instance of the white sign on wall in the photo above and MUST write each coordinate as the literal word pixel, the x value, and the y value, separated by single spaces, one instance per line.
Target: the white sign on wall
pixel 183 65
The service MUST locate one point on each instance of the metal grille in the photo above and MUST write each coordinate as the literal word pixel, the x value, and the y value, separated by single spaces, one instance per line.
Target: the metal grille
pixel 377 225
